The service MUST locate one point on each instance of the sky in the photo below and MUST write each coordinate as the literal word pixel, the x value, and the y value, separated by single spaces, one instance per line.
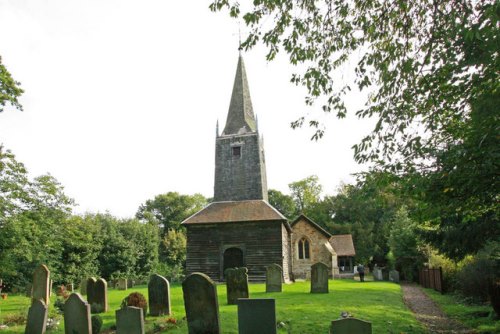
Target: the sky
pixel 122 98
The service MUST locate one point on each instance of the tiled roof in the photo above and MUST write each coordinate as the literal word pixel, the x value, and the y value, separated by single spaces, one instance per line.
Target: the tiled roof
pixel 343 245
pixel 238 211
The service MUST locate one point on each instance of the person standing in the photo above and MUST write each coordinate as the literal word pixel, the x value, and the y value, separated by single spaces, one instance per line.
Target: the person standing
pixel 361 271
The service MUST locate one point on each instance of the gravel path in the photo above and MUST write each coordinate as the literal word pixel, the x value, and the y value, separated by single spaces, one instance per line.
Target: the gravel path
pixel 428 313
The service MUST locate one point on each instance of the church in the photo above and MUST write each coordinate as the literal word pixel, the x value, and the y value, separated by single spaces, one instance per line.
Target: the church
pixel 239 228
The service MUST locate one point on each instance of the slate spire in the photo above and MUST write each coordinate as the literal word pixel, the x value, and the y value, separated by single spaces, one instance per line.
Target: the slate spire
pixel 240 117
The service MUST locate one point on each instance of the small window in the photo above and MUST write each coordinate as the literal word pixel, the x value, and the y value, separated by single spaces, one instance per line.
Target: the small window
pixel 303 246
pixel 236 151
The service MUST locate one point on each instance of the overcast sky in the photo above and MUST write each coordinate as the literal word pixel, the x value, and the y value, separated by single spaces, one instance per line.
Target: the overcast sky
pixel 122 98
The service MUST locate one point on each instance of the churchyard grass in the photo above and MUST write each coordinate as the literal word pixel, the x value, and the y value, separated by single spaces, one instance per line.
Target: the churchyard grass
pixel 298 309
pixel 477 317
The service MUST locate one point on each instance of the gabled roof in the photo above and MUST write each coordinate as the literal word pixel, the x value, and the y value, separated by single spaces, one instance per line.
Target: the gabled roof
pixel 316 226
pixel 240 117
pixel 343 245
pixel 237 211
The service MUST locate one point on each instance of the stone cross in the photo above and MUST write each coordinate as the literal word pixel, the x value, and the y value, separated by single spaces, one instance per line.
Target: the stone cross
pixel 319 278
pixel 77 315
pixel 91 281
pixel 256 316
pixel 236 284
pixel 101 294
pixel 274 278
pixel 37 318
pixel 130 320
pixel 41 284
pixel 201 304
pixel 350 326
pixel 159 295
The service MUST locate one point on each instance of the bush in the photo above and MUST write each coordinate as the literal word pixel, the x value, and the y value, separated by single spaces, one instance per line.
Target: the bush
pixel 174 273
pixel 475 278
pixel 96 324
pixel 136 299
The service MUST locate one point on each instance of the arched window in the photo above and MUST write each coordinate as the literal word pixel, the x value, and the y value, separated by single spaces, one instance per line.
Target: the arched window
pixel 303 246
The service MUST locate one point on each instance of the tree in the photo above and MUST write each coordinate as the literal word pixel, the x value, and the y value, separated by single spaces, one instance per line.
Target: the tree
pixel 283 203
pixel 305 193
pixel 9 89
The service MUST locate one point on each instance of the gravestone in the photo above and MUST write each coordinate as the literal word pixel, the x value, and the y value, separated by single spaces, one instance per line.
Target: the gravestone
pixel 256 316
pixel 350 326
pixel 201 304
pixel 319 278
pixel 236 284
pixel 101 295
pixel 90 290
pixel 83 287
pixel 274 278
pixel 70 287
pixel 122 284
pixel 37 318
pixel 41 284
pixel 377 274
pixel 130 320
pixel 159 295
pixel 394 276
pixel 29 290
pixel 77 315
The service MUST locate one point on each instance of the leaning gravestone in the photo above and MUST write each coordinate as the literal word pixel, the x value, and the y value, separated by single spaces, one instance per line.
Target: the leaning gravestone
pixel 101 295
pixel 122 284
pixel 274 278
pixel 256 316
pixel 319 278
pixel 90 290
pixel 236 284
pixel 159 295
pixel 77 315
pixel 394 276
pixel 350 326
pixel 201 304
pixel 130 320
pixel 37 318
pixel 41 284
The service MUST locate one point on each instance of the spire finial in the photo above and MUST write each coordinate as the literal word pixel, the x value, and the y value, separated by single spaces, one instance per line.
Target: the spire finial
pixel 239 36
pixel 217 128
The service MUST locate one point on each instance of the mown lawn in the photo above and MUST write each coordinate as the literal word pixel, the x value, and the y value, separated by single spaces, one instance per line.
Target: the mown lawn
pixel 477 317
pixel 298 310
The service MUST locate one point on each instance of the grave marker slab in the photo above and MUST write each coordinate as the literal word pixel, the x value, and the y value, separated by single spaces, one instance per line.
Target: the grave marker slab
pixel 101 294
pixel 201 304
pixel 37 318
pixel 377 274
pixel 91 281
pixel 236 284
pixel 256 316
pixel 274 278
pixel 130 320
pixel 319 278
pixel 41 284
pixel 77 315
pixel 159 295
pixel 350 326
pixel 122 284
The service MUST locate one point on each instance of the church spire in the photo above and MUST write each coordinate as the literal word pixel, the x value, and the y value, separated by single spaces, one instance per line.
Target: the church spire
pixel 240 117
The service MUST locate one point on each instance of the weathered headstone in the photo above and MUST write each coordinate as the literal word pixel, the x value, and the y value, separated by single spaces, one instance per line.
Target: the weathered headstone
pixel 201 304
pixel 91 281
pixel 101 295
pixel 77 315
pixel 37 318
pixel 130 320
pixel 274 278
pixel 236 284
pixel 41 284
pixel 319 278
pixel 377 274
pixel 394 276
pixel 122 284
pixel 159 296
pixel 350 326
pixel 256 316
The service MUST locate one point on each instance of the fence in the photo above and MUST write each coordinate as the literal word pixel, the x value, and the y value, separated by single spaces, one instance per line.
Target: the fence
pixel 431 278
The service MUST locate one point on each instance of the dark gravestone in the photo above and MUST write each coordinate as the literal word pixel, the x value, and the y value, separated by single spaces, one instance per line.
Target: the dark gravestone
pixel 159 296
pixel 41 284
pixel 37 318
pixel 350 326
pixel 101 295
pixel 201 304
pixel 319 278
pixel 77 315
pixel 274 278
pixel 394 276
pixel 236 284
pixel 90 287
pixel 256 316
pixel 130 320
